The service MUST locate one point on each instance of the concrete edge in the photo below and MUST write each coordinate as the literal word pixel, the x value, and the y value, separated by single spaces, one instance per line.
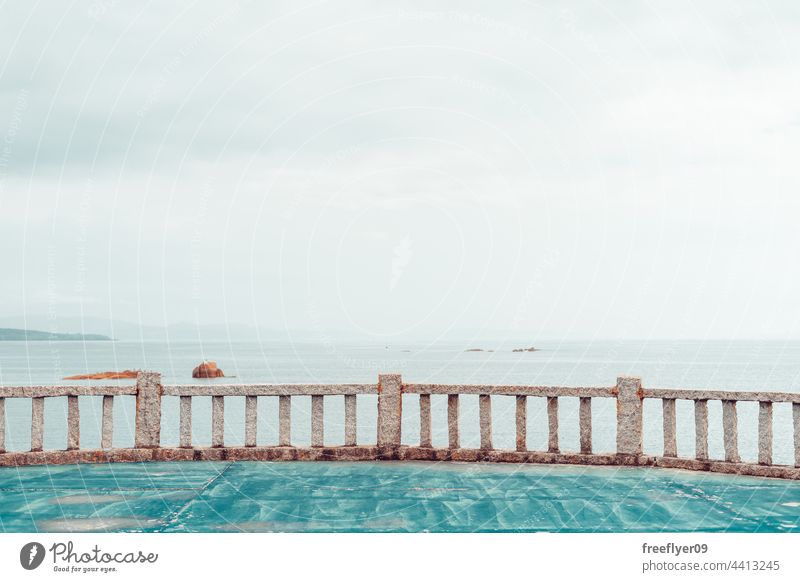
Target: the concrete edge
pixel 373 453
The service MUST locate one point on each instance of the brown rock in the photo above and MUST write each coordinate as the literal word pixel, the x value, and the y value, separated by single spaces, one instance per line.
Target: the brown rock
pixel 207 369
pixel 105 375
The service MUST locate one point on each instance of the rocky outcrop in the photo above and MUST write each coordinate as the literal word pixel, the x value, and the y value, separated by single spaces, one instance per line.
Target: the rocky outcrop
pixel 531 349
pixel 105 375
pixel 207 369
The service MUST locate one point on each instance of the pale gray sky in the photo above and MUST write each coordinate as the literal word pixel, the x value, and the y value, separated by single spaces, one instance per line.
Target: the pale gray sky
pixel 603 169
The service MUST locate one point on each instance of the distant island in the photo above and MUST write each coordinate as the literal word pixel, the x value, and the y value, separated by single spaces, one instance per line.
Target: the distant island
pixel 531 349
pixel 31 335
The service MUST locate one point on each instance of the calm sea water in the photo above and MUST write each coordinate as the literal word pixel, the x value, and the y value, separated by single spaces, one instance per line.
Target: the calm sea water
pixel 718 365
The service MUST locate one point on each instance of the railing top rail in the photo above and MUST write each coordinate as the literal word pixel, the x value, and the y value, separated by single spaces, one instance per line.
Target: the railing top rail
pixel 682 394
pixel 510 390
pixel 54 391
pixel 411 388
pixel 268 389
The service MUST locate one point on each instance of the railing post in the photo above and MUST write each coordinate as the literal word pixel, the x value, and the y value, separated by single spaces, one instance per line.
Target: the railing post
pixel 390 404
pixel 2 425
pixel 107 430
pixel 552 424
pixel 485 408
pixel 148 410
pixel 284 420
pixel 765 433
pixel 73 424
pixel 453 438
pixel 217 421
pixel 795 422
pixel 701 430
pixel 670 421
pixel 585 425
pixel 730 430
pixel 425 421
pixel 185 426
pixel 629 416
pixel 37 424
pixel 522 423
pixel 250 420
pixel 350 421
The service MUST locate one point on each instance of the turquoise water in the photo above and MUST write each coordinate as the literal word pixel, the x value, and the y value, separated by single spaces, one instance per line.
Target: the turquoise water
pixel 388 497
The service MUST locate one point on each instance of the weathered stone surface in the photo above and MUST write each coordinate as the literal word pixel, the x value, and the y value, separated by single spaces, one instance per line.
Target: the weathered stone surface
pixel 682 394
pixel 628 392
pixel 73 423
pixel 585 424
pixel 52 391
pixel 148 410
pixel 365 453
pixel 2 425
pixel 425 420
pixel 350 421
pixel 552 424
pixel 765 433
pixel 506 390
pixel 317 421
pixel 268 389
pixel 503 456
pixel 217 421
pixel 250 420
pixel 485 420
pixel 285 421
pixel 185 427
pixel 37 423
pixel 522 423
pixel 777 472
pixel 796 422
pixel 629 416
pixel 701 429
pixel 207 369
pixel 107 430
pixel 730 431
pixel 74 457
pixel 390 406
pixel 670 427
pixel 125 374
pixel 452 421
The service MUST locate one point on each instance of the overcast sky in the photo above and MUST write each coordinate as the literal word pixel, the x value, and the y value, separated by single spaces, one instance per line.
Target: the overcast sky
pixel 603 170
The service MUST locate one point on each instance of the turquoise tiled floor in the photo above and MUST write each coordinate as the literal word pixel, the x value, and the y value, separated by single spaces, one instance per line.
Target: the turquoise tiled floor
pixel 297 496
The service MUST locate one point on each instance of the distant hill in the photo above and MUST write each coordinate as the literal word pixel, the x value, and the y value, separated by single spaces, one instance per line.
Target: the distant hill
pixel 15 335
pixel 128 331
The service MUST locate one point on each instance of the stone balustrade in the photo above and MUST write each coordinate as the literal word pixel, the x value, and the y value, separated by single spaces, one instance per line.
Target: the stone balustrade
pixel 627 392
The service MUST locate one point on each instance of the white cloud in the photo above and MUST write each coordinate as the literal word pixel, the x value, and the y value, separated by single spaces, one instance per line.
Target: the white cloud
pixel 288 150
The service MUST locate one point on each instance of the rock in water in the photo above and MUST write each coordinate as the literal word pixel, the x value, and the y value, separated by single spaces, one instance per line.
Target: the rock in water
pixel 105 375
pixel 207 370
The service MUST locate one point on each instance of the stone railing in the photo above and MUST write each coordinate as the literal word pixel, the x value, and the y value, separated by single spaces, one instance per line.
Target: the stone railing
pixel 627 392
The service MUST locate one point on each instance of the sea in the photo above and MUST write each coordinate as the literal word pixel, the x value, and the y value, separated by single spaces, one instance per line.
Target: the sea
pixel 723 365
